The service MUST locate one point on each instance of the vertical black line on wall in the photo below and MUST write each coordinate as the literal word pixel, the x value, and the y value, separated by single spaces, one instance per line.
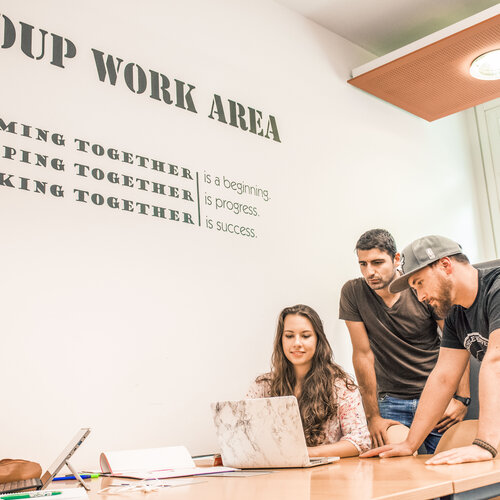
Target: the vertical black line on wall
pixel 198 196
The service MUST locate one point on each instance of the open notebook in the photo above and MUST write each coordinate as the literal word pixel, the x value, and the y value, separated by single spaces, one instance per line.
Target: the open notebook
pixel 154 463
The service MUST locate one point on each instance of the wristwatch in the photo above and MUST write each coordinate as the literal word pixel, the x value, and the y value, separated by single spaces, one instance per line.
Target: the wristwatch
pixel 464 401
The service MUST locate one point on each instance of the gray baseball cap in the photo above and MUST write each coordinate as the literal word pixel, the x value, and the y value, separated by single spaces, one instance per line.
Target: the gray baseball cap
pixel 420 254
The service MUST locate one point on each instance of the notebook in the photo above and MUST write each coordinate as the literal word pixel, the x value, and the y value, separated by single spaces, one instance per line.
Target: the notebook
pixel 37 484
pixel 262 433
pixel 154 463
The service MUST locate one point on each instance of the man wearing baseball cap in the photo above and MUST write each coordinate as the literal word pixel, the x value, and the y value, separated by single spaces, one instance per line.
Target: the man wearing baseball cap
pixel 441 275
pixel 395 343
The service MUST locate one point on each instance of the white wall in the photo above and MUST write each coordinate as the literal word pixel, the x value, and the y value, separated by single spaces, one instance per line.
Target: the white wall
pixel 132 325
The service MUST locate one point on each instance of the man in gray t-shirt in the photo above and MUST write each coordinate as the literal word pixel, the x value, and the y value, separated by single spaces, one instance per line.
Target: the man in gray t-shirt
pixel 395 342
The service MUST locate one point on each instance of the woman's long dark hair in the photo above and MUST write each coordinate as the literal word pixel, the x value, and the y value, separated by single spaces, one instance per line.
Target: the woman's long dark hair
pixel 318 398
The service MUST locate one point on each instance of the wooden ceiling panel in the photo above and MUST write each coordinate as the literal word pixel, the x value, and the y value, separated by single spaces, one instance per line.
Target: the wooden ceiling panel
pixel 434 81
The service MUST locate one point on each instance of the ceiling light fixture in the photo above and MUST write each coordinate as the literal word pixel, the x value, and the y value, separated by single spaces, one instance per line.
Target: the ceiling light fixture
pixel 486 66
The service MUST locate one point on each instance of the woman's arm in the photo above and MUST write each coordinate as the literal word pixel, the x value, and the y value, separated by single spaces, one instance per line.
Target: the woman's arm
pixel 341 448
pixel 355 437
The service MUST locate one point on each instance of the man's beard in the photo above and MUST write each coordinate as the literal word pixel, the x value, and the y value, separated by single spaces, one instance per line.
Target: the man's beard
pixel 443 303
pixel 383 283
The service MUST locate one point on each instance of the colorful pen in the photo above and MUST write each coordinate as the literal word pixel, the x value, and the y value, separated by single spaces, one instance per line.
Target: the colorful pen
pixel 83 476
pixel 35 494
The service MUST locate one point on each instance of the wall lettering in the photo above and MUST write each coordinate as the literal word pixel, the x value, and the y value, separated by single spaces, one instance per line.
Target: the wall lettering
pixel 61 52
pixel 103 177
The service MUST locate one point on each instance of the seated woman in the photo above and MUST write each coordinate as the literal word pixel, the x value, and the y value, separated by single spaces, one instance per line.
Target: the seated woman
pixel 329 401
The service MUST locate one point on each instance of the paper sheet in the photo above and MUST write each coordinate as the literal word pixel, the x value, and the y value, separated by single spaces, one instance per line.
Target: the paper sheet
pixel 170 473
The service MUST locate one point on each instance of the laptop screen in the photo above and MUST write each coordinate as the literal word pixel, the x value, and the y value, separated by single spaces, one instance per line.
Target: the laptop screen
pixel 72 446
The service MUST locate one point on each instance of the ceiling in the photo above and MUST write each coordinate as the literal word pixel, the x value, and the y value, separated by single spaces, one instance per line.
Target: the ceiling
pixel 381 26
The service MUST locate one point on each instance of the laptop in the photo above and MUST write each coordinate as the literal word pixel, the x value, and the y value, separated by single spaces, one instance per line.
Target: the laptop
pixel 41 484
pixel 262 433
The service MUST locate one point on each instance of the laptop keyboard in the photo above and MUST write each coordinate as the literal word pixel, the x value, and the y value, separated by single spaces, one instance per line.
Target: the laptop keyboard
pixel 24 484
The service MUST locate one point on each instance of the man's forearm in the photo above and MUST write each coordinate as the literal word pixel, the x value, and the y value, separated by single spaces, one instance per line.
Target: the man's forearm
pixel 367 381
pixel 489 400
pixel 370 401
pixel 463 388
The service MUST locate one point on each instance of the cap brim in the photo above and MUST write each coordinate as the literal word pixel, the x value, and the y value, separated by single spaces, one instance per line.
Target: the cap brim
pixel 401 283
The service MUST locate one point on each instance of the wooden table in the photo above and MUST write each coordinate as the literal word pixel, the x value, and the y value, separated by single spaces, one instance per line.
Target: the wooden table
pixel 404 478
pixel 473 481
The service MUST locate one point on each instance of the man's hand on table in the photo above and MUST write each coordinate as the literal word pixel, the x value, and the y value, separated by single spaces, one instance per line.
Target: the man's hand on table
pixel 390 450
pixel 471 453
pixel 461 455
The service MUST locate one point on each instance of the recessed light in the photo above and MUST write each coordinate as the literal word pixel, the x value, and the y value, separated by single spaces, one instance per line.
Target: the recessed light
pixel 486 66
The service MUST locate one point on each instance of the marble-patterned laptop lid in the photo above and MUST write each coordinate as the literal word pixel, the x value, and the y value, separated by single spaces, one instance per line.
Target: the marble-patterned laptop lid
pixel 259 433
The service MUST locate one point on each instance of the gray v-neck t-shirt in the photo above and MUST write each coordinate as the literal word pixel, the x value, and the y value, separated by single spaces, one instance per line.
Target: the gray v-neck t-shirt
pixel 404 338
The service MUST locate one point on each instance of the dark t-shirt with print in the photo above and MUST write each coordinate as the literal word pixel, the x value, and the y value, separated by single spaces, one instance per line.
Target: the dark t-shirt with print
pixel 404 338
pixel 470 328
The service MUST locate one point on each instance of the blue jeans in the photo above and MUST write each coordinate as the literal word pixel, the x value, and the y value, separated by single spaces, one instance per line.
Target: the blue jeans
pixel 403 410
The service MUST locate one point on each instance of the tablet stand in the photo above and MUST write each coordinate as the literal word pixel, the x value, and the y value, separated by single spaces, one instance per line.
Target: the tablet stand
pixel 77 476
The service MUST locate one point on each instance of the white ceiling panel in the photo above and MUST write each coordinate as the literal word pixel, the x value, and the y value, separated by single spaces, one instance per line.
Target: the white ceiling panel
pixel 381 26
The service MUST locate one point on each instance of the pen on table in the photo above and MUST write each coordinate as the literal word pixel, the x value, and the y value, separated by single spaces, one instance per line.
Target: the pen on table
pixel 83 476
pixel 35 494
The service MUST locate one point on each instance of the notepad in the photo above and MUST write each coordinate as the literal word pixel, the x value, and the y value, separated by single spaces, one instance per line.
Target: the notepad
pixel 154 463
pixel 71 493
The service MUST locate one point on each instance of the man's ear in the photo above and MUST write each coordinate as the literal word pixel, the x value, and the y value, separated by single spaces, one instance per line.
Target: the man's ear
pixel 397 259
pixel 446 265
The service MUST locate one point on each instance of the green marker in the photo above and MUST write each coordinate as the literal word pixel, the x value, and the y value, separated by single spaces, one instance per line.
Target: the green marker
pixel 35 494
